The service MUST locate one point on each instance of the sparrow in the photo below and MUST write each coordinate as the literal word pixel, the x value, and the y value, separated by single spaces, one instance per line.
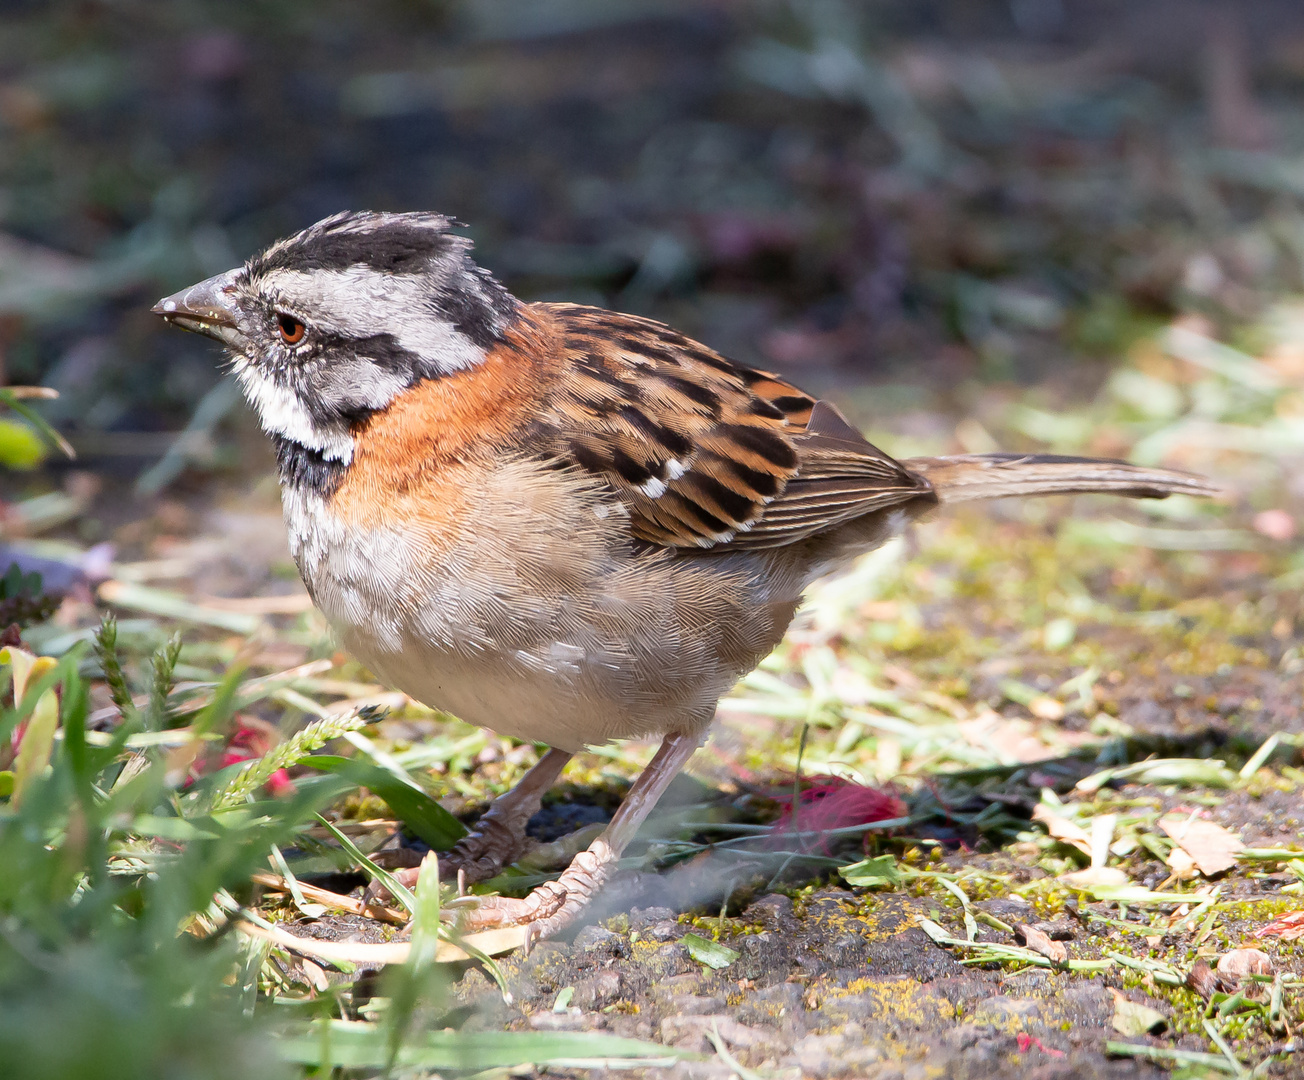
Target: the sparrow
pixel 562 523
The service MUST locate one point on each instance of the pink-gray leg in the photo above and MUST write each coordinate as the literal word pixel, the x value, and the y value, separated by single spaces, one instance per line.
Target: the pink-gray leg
pixel 556 904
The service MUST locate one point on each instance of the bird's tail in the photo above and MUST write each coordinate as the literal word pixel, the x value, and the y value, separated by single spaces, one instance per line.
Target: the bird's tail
pixel 994 476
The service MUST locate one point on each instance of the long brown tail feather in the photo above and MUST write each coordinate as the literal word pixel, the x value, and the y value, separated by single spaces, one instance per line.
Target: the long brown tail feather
pixel 994 476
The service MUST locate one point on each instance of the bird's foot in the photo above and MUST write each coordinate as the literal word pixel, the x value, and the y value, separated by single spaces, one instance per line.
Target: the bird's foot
pixel 551 907
pixel 496 840
pixel 479 855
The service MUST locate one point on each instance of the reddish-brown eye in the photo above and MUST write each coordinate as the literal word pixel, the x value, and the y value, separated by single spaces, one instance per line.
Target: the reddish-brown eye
pixel 290 328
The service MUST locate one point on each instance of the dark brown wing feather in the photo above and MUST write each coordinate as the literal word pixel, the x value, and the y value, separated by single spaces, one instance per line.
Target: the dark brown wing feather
pixel 705 453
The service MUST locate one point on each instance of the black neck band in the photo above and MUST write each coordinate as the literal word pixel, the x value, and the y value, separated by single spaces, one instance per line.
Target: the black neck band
pixel 307 470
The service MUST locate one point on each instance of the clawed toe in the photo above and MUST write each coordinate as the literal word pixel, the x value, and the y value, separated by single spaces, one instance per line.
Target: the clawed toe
pixel 493 912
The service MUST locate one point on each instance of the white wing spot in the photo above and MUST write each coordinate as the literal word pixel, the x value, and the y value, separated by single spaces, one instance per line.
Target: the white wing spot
pixel 653 488
pixel 675 469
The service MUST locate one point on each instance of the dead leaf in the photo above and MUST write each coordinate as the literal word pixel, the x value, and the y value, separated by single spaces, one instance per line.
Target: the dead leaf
pixel 1241 962
pixel 491 942
pixel 1093 876
pixel 1290 927
pixel 315 975
pixel 1182 864
pixel 1013 740
pixel 1131 1019
pixel 330 899
pixel 1212 847
pixel 1062 829
pixel 1046 708
pixel 1202 980
pixel 1041 942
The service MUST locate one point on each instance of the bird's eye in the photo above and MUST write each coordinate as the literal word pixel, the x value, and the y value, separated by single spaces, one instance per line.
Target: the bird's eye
pixel 290 328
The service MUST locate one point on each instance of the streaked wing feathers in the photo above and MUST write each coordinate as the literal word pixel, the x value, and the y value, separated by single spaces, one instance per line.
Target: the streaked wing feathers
pixel 702 452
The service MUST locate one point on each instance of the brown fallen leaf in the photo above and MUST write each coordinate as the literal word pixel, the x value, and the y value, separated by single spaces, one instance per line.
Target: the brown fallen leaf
pixel 1202 980
pixel 1041 942
pixel 1241 962
pixel 1212 847
pixel 1062 829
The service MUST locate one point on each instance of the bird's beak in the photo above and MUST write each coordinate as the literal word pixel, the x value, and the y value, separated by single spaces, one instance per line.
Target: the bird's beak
pixel 206 308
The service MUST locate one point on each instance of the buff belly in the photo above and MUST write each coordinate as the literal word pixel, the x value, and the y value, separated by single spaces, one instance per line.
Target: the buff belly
pixel 569 644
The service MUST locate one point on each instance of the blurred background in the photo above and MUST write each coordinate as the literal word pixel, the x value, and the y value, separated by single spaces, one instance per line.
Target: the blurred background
pixel 921 207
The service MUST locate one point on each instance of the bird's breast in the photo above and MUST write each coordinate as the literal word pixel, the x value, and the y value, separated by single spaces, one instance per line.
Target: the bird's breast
pixel 503 591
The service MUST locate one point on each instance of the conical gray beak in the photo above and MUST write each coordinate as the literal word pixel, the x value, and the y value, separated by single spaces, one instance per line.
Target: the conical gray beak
pixel 206 308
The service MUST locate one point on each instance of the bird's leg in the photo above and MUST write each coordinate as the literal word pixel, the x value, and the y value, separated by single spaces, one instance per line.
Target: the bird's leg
pixel 498 837
pixel 555 904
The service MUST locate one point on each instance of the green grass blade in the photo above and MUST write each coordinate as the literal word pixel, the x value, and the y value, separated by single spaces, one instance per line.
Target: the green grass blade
pixel 417 810
pixel 356 1045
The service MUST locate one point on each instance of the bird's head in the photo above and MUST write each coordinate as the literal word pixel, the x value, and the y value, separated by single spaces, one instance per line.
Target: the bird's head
pixel 329 325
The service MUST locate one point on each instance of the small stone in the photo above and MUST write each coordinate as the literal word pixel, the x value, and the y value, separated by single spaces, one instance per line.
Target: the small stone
pixel 666 961
pixel 845 950
pixel 1057 929
pixel 595 937
pixel 999 1011
pixel 689 1033
pixel 833 1055
pixel 664 930
pixel 851 1007
pixel 1085 1004
pixel 664 989
pixel 963 1036
pixel 1006 909
pixel 775 909
pixel 551 1021
pixel 640 918
pixel 695 1005
pixel 785 994
pixel 597 990
pixel 1238 963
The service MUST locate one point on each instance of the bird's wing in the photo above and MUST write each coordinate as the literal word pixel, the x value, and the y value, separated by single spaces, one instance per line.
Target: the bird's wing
pixel 705 453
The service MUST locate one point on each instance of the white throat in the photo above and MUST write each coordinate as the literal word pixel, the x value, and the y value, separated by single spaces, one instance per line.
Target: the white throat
pixel 282 413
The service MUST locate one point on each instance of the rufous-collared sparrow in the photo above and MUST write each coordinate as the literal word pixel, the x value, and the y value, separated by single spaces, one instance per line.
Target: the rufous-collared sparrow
pixel 562 523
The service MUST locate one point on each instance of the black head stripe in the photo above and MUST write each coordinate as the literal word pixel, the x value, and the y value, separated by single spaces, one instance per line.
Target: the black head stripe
pixel 390 243
pixel 392 250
